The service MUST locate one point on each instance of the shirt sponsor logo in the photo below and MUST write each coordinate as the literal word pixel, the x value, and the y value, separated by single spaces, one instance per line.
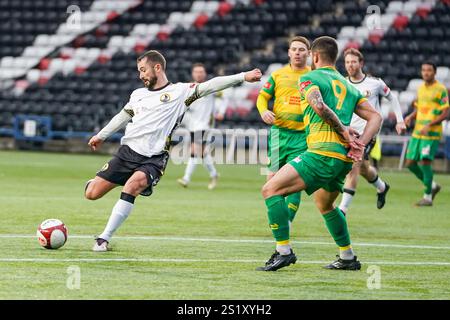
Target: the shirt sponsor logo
pixel 294 100
pixel 268 85
pixel 304 84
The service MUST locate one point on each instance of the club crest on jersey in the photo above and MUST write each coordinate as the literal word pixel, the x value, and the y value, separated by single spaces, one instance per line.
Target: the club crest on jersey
pixel 268 85
pixel 165 97
pixel 105 167
pixel 367 93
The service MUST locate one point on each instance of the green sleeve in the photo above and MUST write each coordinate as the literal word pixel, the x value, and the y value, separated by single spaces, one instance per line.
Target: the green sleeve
pixel 269 86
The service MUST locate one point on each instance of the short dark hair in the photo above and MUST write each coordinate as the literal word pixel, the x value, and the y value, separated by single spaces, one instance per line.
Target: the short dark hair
pixel 300 39
pixel 354 52
pixel 430 63
pixel 198 64
pixel 327 48
pixel 155 57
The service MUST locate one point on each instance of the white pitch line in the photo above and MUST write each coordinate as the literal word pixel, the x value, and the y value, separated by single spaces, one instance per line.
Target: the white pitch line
pixel 164 238
pixel 147 260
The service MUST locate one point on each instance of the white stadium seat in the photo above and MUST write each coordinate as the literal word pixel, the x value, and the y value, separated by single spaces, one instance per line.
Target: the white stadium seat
pixel 410 7
pixel 406 98
pixel 6 62
pixel 212 7
pixel 414 84
pixel 69 66
pixel 347 32
pixel 394 7
pixel 442 73
pixel 42 40
pixel 273 67
pixel 386 20
pixel 116 42
pixel 33 75
pixel 175 18
pixel 188 19
pixel 198 6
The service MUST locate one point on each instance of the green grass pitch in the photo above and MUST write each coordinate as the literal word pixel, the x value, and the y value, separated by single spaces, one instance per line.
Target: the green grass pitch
pixel 198 244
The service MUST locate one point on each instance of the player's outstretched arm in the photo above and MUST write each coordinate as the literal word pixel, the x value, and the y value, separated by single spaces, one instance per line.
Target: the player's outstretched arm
pixel 221 83
pixel 373 118
pixel 400 127
pixel 116 123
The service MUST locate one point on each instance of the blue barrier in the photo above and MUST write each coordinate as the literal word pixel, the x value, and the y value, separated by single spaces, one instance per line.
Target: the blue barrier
pixel 40 130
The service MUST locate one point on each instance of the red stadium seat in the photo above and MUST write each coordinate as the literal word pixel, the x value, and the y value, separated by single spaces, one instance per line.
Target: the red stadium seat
pixel 400 22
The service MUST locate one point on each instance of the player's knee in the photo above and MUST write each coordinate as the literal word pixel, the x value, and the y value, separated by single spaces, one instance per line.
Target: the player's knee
pixel 324 208
pixel 91 194
pixel 409 163
pixel 364 171
pixel 268 190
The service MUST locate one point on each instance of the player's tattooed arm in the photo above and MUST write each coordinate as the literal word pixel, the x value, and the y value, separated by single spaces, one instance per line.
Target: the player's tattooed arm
pixel 315 100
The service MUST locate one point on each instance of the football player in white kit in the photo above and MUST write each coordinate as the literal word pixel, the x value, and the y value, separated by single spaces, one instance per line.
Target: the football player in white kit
pixel 198 120
pixel 373 89
pixel 155 111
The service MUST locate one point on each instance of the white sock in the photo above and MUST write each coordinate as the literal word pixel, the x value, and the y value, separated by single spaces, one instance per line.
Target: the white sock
pixel 284 249
pixel 346 254
pixel 347 198
pixel 119 213
pixel 427 197
pixel 433 185
pixel 209 165
pixel 379 184
pixel 192 163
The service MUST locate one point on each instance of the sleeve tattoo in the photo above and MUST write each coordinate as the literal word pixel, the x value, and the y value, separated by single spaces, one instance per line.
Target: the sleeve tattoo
pixel 315 100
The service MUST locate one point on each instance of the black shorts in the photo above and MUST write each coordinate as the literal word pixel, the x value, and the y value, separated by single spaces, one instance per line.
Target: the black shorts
pixel 369 148
pixel 126 162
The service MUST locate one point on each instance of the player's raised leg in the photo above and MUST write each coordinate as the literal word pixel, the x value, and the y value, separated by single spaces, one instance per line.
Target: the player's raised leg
pixel 97 188
pixel 122 209
pixel 286 181
pixel 371 175
pixel 337 226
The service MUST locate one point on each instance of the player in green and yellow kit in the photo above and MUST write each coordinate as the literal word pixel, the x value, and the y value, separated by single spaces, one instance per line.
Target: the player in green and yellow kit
pixel 328 102
pixel 287 134
pixel 431 109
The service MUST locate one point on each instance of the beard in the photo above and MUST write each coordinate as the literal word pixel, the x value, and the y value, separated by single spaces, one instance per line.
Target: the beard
pixel 151 81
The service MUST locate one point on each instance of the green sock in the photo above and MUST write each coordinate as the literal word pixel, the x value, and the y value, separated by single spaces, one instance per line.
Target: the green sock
pixel 292 202
pixel 414 168
pixel 427 177
pixel 337 226
pixel 278 217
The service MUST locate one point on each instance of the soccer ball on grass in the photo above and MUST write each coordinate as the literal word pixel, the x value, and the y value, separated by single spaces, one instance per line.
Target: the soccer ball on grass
pixel 52 234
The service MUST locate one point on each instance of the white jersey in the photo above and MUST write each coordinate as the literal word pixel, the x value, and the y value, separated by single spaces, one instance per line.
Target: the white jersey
pixel 200 115
pixel 373 89
pixel 156 114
